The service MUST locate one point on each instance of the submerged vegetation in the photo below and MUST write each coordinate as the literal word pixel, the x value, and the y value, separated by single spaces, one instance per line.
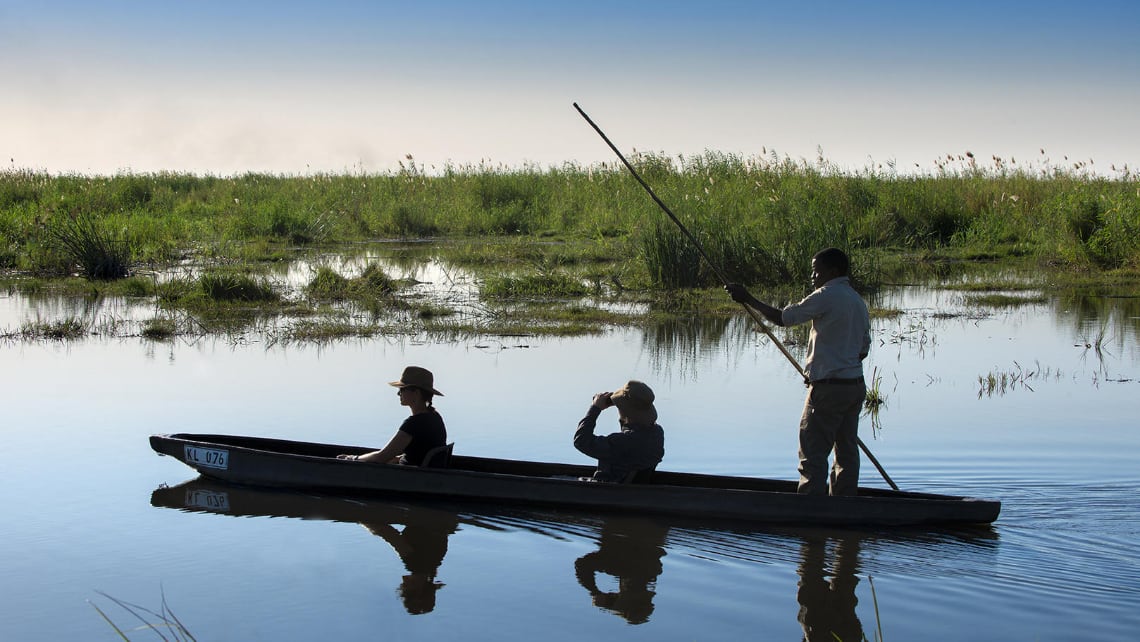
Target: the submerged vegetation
pixel 536 237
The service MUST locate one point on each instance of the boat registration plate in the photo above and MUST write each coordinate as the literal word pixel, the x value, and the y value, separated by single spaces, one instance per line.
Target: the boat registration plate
pixel 208 457
pixel 208 499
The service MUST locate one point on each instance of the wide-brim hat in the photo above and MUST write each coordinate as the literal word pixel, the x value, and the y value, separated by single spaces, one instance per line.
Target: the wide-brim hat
pixel 634 400
pixel 417 377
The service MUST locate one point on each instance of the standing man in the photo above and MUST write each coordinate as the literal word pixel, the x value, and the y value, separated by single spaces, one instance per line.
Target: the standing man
pixel 839 341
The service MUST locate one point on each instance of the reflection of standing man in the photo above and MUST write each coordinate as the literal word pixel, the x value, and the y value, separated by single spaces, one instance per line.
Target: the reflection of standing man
pixel 631 551
pixel 840 339
pixel 827 608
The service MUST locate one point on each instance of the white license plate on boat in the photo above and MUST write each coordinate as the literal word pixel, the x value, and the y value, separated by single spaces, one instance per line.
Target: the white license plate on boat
pixel 208 457
pixel 208 499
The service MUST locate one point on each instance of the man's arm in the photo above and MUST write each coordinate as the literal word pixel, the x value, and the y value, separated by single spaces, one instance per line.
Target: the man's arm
pixel 741 295
pixel 587 443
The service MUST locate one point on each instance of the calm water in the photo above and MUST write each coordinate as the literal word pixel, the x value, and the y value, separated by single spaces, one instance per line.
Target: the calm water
pixel 91 509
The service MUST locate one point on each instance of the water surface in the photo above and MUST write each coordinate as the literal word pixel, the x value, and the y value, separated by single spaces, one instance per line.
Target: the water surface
pixel 91 508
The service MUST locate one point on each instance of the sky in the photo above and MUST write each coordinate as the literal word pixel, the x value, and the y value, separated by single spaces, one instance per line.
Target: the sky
pixel 226 87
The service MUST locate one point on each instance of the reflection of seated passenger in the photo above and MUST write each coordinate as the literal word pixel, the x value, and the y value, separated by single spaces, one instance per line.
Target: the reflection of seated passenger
pixel 421 545
pixel 640 444
pixel 827 608
pixel 630 551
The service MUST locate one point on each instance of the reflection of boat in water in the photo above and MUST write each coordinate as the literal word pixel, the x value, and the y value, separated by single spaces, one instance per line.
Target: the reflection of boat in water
pixel 417 532
pixel 621 576
pixel 629 548
pixel 312 466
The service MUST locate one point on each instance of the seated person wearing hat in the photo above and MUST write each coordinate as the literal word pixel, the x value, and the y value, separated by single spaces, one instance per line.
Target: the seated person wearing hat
pixel 419 433
pixel 639 446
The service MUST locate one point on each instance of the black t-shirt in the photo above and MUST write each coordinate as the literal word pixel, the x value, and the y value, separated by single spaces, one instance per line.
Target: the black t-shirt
pixel 427 432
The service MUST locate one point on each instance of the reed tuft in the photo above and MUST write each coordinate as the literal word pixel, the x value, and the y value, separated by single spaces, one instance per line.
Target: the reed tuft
pixel 237 287
pixel 85 242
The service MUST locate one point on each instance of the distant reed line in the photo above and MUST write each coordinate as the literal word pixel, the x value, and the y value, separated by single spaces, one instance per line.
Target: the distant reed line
pixel 760 217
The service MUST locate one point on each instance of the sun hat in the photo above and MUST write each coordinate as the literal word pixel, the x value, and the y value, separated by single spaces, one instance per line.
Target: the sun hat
pixel 417 377
pixel 635 401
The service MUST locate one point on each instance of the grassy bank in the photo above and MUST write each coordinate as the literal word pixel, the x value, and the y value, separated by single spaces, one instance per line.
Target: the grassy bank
pixel 759 218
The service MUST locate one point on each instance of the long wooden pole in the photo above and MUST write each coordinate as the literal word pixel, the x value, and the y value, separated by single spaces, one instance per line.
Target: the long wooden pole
pixel 665 208
pixel 720 275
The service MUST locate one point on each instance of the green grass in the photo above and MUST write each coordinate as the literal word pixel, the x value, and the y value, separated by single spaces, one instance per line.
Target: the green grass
pixel 992 285
pixel 996 300
pixel 875 398
pixel 224 286
pixel 90 244
pixel 760 218
pixel 159 329
pixel 329 285
pixel 1002 382
pixel 326 331
pixel 567 232
pixel 556 285
pixel 67 329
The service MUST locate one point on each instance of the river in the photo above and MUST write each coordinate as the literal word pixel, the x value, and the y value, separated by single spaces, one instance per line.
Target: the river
pixel 95 517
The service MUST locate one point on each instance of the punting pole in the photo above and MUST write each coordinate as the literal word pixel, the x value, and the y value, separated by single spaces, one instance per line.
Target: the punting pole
pixel 720 275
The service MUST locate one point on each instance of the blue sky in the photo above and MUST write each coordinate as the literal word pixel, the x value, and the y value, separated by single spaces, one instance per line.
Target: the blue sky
pixel 223 87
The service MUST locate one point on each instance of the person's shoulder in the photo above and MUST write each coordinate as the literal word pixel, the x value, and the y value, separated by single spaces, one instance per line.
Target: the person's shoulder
pixel 836 283
pixel 423 419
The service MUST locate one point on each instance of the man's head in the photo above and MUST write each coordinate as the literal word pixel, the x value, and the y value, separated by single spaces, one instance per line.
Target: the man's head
pixel 634 402
pixel 827 265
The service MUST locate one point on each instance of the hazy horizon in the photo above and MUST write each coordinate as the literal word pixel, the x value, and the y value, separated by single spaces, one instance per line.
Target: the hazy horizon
pixel 299 87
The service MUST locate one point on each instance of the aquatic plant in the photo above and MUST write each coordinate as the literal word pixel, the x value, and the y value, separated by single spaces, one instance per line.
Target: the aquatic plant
pixel 156 622
pixel 60 330
pixel 84 241
pixel 1000 300
pixel 329 285
pixel 874 398
pixel 1000 382
pixel 225 286
pixel 538 285
pixel 673 261
pixel 159 329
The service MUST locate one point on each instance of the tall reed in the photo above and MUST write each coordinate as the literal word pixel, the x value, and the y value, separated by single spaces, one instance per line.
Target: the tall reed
pixel 99 252
pixel 788 209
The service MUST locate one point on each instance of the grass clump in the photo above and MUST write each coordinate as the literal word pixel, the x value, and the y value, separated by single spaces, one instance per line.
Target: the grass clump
pixel 159 329
pixel 221 286
pixel 329 285
pixel 327 330
pixel 61 330
pixel 533 285
pixel 98 252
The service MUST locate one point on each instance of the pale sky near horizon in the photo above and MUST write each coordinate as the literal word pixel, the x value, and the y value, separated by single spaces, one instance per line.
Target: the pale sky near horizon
pixel 228 87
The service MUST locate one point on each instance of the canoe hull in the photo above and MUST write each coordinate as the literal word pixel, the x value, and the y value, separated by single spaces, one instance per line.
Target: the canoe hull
pixel 311 466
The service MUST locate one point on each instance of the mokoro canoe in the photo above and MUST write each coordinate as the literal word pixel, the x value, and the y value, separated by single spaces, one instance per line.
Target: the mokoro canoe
pixel 301 465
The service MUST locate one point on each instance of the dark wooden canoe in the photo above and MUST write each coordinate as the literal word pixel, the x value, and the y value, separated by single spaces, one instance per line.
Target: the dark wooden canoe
pixel 311 466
